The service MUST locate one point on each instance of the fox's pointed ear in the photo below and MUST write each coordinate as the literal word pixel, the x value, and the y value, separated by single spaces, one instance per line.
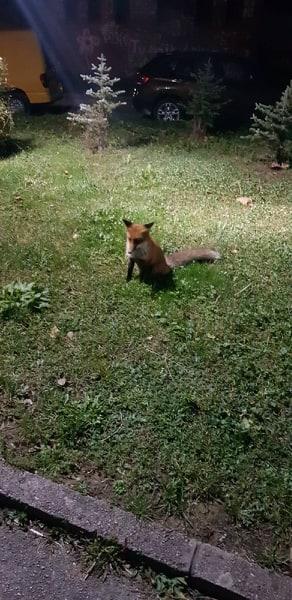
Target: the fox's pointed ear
pixel 127 223
pixel 148 225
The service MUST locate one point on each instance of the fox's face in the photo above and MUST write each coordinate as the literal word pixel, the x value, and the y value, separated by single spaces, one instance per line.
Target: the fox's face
pixel 137 240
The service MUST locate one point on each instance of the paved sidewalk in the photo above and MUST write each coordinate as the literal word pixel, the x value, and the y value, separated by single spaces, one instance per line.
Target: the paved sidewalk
pixel 33 569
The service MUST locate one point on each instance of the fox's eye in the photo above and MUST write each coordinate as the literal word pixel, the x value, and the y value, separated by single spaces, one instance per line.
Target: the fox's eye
pixel 129 239
pixel 139 240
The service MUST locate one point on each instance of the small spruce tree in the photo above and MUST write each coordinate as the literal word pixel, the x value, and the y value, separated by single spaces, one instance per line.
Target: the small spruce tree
pixel 94 117
pixel 6 121
pixel 207 100
pixel 273 125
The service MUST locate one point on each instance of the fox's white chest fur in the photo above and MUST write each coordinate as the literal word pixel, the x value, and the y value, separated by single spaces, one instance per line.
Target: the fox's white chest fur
pixel 140 252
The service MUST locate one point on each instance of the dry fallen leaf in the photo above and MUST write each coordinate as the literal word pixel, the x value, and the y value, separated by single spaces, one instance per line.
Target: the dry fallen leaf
pixel 54 332
pixel 27 402
pixel 70 335
pixel 244 200
pixel 62 381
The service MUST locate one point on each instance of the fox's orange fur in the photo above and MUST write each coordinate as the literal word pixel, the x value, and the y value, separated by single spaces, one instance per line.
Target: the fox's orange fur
pixel 143 251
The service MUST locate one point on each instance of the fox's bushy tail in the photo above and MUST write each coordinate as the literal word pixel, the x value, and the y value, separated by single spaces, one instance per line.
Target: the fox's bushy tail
pixel 185 257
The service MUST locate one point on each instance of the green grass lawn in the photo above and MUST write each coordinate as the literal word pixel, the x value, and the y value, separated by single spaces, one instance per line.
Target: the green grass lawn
pixel 176 397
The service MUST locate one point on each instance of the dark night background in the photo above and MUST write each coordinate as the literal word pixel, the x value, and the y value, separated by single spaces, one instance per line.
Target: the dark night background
pixel 130 32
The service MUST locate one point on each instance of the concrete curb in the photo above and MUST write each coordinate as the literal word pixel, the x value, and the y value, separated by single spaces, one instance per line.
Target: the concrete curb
pixel 209 569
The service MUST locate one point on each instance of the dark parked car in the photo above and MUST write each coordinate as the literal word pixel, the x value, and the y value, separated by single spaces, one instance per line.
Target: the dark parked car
pixel 164 85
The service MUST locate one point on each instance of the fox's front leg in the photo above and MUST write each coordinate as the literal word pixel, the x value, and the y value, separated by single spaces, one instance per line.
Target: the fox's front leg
pixel 131 265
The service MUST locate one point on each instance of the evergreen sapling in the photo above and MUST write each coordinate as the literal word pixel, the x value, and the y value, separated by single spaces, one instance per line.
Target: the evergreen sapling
pixel 207 100
pixel 273 125
pixel 94 117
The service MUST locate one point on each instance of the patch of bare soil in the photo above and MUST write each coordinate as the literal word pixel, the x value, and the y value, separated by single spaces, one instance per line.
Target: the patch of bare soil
pixel 207 522
pixel 89 481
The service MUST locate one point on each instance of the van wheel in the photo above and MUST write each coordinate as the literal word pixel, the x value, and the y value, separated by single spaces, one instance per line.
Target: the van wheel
pixel 18 103
pixel 168 110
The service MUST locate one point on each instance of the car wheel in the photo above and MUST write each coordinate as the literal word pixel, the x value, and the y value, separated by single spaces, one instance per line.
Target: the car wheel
pixel 18 103
pixel 168 110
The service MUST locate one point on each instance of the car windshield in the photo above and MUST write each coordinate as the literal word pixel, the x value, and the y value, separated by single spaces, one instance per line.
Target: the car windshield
pixel 181 65
pixel 186 66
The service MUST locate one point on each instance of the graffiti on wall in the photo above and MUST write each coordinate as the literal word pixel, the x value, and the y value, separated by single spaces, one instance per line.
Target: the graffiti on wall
pixel 88 44
pixel 125 49
pixel 129 46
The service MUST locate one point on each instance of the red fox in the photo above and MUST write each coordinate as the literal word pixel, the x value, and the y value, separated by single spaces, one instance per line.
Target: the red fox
pixel 143 251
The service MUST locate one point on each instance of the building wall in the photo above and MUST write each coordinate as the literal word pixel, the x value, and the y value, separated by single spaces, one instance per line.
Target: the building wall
pixel 129 32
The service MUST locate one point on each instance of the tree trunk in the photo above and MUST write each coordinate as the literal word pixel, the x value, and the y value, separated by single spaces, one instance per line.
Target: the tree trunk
pixel 198 130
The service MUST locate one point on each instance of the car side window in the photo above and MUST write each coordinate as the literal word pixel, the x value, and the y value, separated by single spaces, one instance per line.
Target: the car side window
pixel 201 62
pixel 164 66
pixel 188 68
pixel 172 68
pixel 184 69
pixel 168 68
